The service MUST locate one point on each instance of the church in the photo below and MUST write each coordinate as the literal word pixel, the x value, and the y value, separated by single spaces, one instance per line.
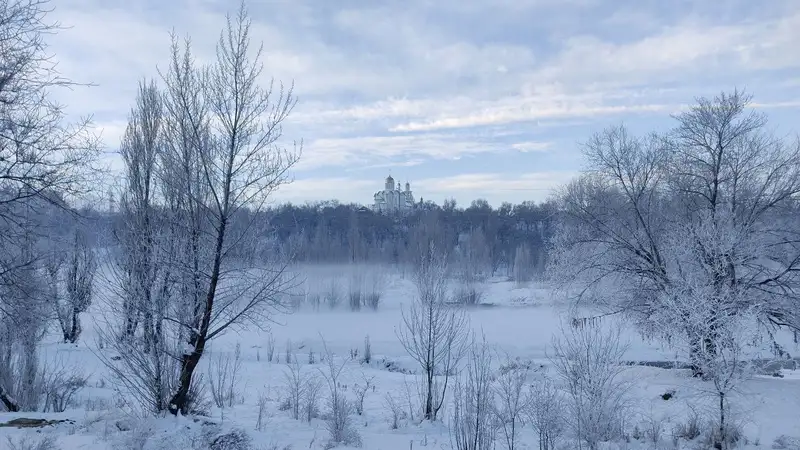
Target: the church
pixel 392 200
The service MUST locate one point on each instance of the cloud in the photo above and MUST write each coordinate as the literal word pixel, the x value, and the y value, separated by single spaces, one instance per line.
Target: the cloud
pixel 366 151
pixel 450 86
pixel 346 190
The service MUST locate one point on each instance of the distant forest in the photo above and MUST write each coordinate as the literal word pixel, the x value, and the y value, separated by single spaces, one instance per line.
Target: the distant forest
pixel 332 232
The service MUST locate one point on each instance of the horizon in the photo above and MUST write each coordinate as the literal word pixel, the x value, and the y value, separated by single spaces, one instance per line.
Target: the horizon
pixel 464 100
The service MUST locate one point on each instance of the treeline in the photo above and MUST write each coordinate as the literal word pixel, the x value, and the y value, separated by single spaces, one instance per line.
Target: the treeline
pixel 333 232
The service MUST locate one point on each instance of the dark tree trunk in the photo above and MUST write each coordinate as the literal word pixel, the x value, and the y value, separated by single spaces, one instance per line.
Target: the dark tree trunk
pixel 7 401
pixel 180 400
pixel 75 327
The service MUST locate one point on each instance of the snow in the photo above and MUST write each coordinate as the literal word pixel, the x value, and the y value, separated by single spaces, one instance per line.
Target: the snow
pixel 518 321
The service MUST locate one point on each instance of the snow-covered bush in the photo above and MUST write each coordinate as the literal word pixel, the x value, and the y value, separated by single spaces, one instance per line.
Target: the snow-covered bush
pixel 361 390
pixel 395 409
pixel 470 294
pixel 60 384
pixel 355 290
pixel 235 439
pixel 296 385
pixel 546 412
pixel 376 284
pixel 472 425
pixel 512 401
pixel 223 377
pixel 589 362
pixel 333 293
pixel 338 421
pixel 367 358
pixel 32 442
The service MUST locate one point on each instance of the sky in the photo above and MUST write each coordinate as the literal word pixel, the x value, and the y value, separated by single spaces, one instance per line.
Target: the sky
pixel 464 99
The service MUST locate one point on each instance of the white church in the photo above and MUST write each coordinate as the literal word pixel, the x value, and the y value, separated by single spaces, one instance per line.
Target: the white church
pixel 392 200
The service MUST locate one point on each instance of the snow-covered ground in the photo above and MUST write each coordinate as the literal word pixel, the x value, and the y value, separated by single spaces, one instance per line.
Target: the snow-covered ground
pixel 517 321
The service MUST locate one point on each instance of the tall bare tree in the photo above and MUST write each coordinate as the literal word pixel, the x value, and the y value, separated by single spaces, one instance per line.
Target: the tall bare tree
pixel 223 156
pixel 433 333
pixel 70 276
pixel 718 171
pixel 140 150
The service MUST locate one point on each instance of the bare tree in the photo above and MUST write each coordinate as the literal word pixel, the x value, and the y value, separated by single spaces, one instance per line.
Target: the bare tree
pixel 23 324
pixel 546 413
pixel 71 287
pixel 140 149
pixel 432 333
pixel 339 423
pixel 44 160
pixel 222 157
pixel 718 171
pixel 523 265
pixel 589 362
pixel 720 325
pixel 40 152
pixel 141 273
pixel 513 400
pixel 472 425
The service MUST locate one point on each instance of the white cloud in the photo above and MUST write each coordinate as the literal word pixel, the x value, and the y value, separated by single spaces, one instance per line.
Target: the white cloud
pixel 369 150
pixel 346 190
pixel 442 87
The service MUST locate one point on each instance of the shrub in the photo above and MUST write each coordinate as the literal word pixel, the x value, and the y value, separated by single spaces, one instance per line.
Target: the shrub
pixel 361 390
pixel 367 351
pixel 354 299
pixel 473 402
pixel 690 429
pixel 235 439
pixel 395 411
pixel 469 295
pixel 546 412
pixel 224 371
pixel 589 363
pixel 28 442
pixel 372 300
pixel 333 294
pixel 338 423
pixel 270 348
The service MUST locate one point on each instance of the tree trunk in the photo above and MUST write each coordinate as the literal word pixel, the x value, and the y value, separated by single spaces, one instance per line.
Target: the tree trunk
pixel 429 415
pixel 8 402
pixel 75 327
pixel 721 443
pixel 179 401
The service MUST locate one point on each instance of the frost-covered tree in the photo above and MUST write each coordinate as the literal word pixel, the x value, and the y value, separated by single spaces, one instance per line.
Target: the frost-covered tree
pixel 70 276
pixel 718 174
pixel 223 156
pixel 512 400
pixel 433 334
pixel 588 360
pixel 204 160
pixel 141 270
pixel 721 326
pixel 472 425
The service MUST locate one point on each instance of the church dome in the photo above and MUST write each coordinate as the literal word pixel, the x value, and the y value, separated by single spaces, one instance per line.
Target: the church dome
pixel 389 179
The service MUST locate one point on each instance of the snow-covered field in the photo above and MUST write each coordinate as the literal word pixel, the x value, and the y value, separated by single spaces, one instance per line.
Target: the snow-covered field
pixel 519 322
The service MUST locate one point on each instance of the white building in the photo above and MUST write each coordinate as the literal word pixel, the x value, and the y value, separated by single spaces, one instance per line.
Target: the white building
pixel 392 200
